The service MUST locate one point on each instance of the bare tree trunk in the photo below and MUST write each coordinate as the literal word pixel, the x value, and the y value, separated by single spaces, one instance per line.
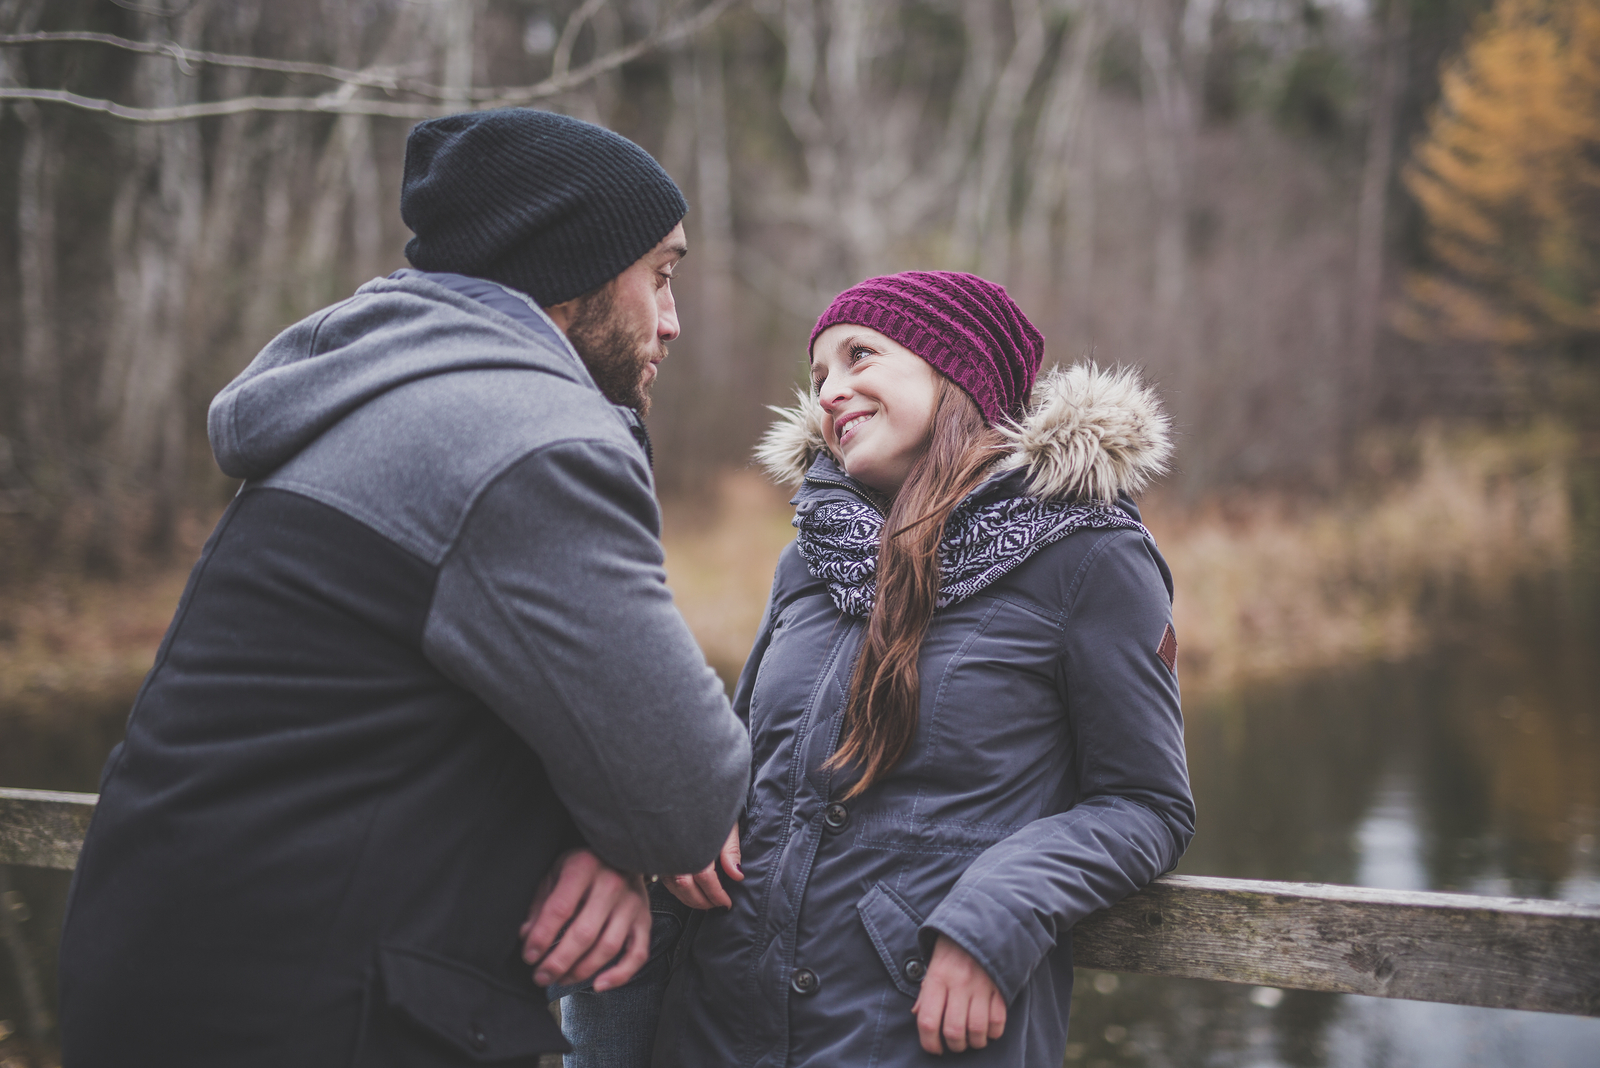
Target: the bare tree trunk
pixel 41 400
pixel 1167 122
pixel 982 225
pixel 1371 210
pixel 455 27
pixel 714 271
pixel 1055 158
pixel 286 151
pixel 144 385
pixel 347 178
pixel 1080 240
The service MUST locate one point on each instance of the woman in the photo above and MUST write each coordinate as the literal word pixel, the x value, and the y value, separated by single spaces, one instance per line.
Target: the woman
pixel 963 702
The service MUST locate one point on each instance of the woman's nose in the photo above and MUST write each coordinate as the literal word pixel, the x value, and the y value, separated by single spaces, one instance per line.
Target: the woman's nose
pixel 832 393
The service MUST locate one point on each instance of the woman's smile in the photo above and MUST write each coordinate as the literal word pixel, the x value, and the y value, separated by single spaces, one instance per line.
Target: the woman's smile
pixel 864 378
pixel 847 426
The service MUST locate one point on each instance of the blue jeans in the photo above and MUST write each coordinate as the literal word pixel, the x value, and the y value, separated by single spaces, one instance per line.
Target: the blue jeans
pixel 617 1029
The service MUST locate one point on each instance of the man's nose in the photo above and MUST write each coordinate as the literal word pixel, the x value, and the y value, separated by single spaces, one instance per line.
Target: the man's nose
pixel 667 321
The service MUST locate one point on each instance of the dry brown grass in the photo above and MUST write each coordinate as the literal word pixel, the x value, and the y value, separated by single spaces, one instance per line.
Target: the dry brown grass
pixel 1268 585
pixel 1272 587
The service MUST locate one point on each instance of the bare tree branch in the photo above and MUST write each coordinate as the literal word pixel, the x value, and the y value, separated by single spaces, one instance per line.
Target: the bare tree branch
pixel 569 36
pixel 376 78
pixel 185 112
pixel 342 101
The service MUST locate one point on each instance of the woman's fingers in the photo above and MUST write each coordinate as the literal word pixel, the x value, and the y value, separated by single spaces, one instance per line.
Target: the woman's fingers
pixel 930 1015
pixel 959 1007
pixel 997 1015
pixel 691 890
pixel 977 1023
pixel 711 887
pixel 954 1028
pixel 731 856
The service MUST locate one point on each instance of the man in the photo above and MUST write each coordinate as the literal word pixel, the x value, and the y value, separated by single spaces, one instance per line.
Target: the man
pixel 427 654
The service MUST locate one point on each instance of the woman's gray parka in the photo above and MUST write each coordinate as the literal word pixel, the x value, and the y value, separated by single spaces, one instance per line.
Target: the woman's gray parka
pixel 1046 779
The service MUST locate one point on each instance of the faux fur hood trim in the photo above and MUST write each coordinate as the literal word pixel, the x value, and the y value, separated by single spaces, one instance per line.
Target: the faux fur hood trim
pixel 1088 434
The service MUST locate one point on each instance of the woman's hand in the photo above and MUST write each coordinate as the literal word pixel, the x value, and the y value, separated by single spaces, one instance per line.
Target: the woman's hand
pixel 703 890
pixel 959 1002
pixel 584 914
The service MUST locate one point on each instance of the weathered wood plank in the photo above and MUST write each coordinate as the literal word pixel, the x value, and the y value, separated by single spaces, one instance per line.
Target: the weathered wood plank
pixel 43 828
pixel 1509 953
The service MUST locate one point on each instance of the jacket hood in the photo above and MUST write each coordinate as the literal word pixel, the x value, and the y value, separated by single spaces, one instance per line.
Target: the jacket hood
pixel 393 332
pixel 1088 434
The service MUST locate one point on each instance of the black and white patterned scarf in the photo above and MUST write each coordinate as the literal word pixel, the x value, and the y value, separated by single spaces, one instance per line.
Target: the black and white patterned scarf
pixel 982 542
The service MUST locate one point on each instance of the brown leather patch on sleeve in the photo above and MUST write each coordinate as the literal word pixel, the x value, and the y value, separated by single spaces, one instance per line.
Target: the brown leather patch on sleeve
pixel 1168 649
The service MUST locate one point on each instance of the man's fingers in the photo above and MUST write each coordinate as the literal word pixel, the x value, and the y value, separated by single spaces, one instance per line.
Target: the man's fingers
pixel 607 944
pixel 997 1015
pixel 586 927
pixel 551 911
pixel 633 957
pixel 930 1016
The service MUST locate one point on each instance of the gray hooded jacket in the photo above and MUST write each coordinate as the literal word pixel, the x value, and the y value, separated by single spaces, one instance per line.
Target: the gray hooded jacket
pixel 1045 780
pixel 428 646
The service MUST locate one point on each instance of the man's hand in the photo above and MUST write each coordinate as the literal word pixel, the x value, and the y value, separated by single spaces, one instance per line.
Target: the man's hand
pixel 703 890
pixel 959 1002
pixel 609 913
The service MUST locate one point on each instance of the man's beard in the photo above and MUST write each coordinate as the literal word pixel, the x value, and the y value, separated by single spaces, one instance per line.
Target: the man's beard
pixel 615 357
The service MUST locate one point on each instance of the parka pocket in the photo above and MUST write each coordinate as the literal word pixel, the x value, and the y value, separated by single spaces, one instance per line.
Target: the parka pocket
pixel 437 1011
pixel 892 925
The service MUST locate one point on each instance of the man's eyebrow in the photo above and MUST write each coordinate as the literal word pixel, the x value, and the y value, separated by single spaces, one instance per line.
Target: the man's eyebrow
pixel 678 251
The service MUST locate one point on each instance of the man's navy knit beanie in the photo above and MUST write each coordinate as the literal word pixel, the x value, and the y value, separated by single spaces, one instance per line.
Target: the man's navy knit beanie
pixel 548 204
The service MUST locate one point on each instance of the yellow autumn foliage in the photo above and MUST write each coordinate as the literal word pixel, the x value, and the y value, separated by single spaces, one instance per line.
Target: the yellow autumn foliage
pixel 1508 178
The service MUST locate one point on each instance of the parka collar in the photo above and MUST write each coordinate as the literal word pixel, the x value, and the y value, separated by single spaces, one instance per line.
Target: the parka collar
pixel 1089 435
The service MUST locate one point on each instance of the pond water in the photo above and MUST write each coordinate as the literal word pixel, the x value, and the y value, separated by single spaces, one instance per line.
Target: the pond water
pixel 1475 768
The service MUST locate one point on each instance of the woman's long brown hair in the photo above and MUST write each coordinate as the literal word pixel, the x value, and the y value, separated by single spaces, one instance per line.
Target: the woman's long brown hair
pixel 885 692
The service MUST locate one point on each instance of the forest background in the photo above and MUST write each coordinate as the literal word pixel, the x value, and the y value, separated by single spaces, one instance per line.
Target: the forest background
pixel 1354 245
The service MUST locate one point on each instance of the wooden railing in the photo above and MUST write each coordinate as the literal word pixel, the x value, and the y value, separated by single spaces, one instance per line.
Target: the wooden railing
pixel 1509 953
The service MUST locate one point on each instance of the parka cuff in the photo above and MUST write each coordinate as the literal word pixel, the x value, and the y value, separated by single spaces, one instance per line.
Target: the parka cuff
pixel 1006 946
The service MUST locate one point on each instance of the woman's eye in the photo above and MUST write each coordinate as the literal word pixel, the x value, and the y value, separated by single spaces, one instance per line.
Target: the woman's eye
pixel 858 354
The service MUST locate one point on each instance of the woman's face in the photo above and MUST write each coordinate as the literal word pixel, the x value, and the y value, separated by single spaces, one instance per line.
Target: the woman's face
pixel 878 399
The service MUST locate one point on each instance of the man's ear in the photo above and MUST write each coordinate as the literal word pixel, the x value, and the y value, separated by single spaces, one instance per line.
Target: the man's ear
pixel 562 314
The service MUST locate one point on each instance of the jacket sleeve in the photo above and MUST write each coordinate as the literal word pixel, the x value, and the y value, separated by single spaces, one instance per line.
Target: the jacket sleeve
pixel 1133 815
pixel 552 606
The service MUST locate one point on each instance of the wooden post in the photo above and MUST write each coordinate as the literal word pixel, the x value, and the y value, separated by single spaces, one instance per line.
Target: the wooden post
pixel 1509 953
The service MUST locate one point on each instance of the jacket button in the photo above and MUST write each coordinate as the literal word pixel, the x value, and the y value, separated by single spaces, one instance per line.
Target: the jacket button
pixel 915 970
pixel 804 981
pixel 478 1041
pixel 835 817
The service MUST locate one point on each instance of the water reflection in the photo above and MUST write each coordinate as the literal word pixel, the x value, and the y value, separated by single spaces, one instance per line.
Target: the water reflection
pixel 1476 768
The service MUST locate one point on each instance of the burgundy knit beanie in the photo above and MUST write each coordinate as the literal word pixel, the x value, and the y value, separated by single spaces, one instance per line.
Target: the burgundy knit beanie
pixel 966 327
